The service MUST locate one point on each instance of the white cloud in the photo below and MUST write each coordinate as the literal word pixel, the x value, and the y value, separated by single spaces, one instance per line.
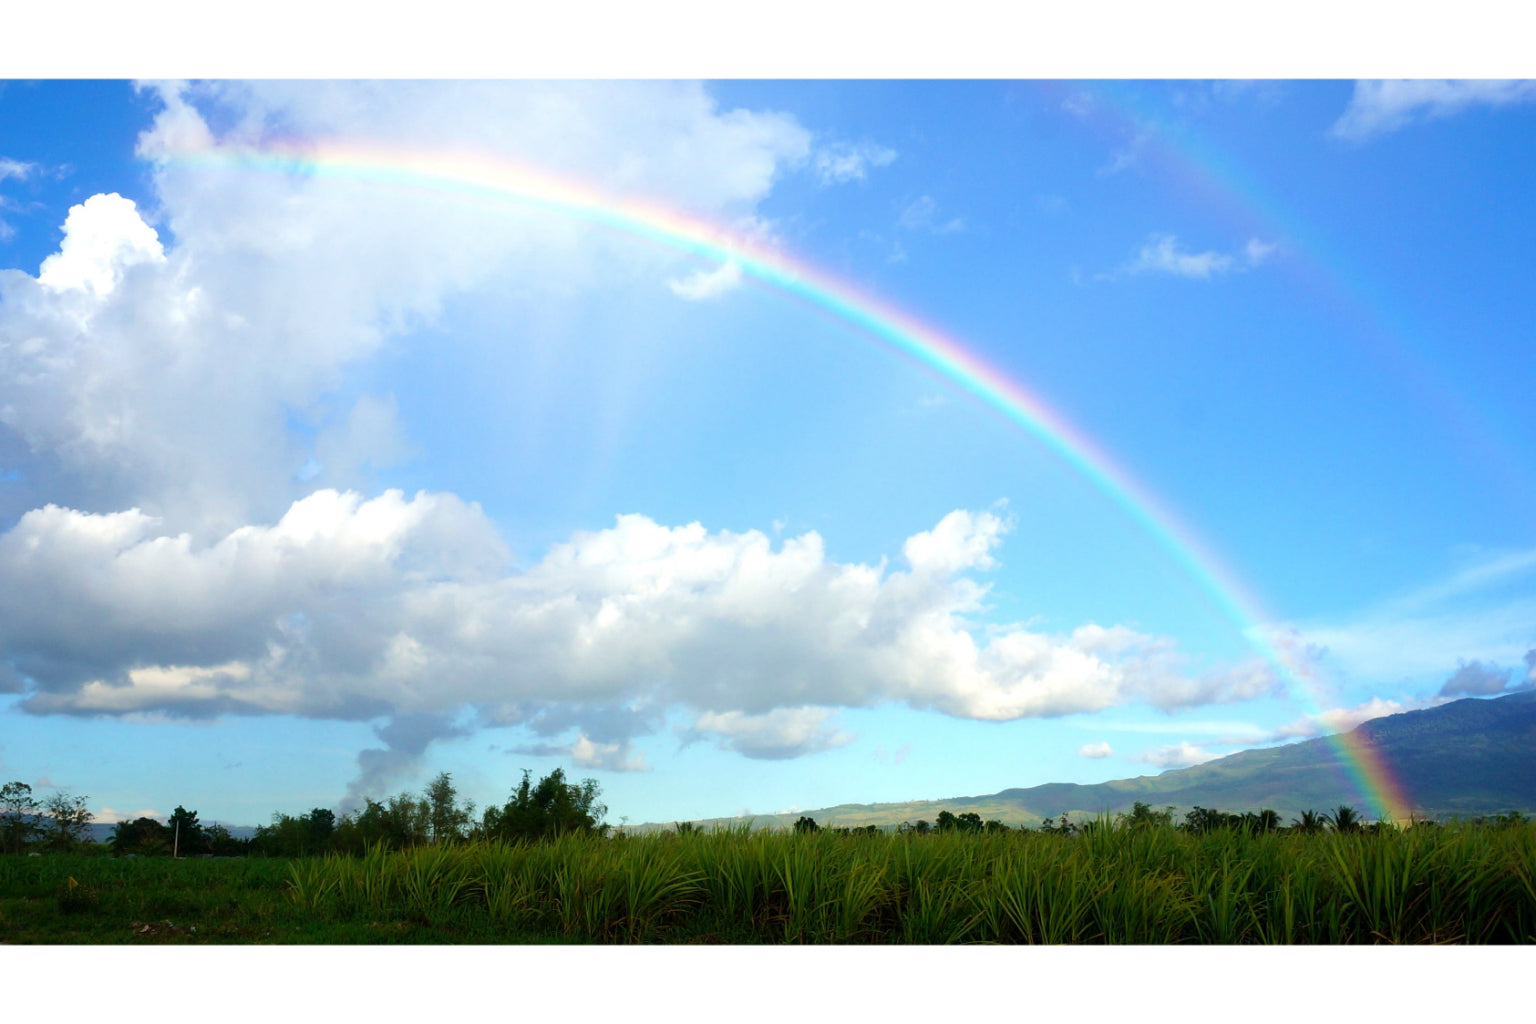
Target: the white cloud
pixel 1161 255
pixel 162 369
pixel 103 237
pixel 922 214
pixel 1094 750
pixel 1256 252
pixel 613 757
pixel 840 162
pixel 1334 720
pixel 707 284
pixel 18 169
pixel 1179 755
pixel 354 608
pixel 776 735
pixel 109 816
pixel 1378 107
pixel 960 541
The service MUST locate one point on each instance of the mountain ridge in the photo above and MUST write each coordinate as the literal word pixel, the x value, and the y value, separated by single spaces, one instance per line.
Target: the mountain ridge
pixel 1464 758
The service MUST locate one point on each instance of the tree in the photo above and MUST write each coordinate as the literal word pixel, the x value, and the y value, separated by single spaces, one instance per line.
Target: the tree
pixel 1343 819
pixel 1062 828
pixel 1208 819
pixel 551 808
pixel 321 822
pixel 446 819
pixel 66 822
pixel 1143 817
pixel 1266 820
pixel 805 826
pixel 187 839
pixel 1308 823
pixel 18 817
pixel 145 837
pixel 221 843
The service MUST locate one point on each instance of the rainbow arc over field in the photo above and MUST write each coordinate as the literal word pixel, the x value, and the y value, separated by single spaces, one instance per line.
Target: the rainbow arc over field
pixel 500 180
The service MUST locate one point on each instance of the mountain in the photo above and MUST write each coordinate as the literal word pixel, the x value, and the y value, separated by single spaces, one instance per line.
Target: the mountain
pixel 1468 757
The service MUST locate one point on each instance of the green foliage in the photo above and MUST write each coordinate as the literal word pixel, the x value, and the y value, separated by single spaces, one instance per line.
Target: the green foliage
pixel 144 837
pixel 806 825
pixel 1310 822
pixel 66 822
pixel 74 898
pixel 187 838
pixel 446 820
pixel 1343 819
pixel 1458 883
pixel 1143 817
pixel 18 813
pixel 552 808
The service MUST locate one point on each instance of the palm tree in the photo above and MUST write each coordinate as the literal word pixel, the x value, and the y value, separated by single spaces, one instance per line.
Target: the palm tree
pixel 1343 819
pixel 1309 822
pixel 1266 821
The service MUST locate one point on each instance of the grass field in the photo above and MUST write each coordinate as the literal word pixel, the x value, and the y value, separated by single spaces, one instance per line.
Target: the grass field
pixel 1152 886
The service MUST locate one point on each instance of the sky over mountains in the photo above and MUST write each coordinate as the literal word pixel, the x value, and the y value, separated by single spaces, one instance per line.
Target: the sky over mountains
pixel 313 484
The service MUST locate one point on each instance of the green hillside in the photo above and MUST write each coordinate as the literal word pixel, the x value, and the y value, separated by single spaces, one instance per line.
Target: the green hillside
pixel 1468 757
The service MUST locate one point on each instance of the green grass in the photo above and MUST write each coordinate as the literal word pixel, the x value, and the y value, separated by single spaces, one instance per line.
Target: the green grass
pixel 1156 886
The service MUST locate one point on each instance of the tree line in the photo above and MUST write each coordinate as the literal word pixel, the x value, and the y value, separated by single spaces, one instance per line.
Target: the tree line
pixel 1198 820
pixel 437 816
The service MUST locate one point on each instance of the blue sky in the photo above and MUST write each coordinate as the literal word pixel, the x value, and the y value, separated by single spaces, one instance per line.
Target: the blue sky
pixel 309 491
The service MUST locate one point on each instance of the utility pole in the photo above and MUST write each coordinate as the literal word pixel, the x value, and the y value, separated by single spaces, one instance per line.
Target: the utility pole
pixel 176 842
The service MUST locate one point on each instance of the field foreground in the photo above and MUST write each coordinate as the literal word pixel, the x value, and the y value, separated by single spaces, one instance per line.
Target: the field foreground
pixel 1154 886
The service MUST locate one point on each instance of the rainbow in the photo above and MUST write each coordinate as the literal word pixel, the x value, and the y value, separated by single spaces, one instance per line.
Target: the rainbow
pixel 478 177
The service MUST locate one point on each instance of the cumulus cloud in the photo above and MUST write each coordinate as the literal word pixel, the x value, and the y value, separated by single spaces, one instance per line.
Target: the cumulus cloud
pixel 1161 255
pixel 1475 679
pixel 1094 750
pixel 406 608
pixel 839 162
pixel 103 237
pixel 162 367
pixel 1178 755
pixel 1378 107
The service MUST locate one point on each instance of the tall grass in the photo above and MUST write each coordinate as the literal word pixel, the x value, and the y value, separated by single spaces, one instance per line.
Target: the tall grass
pixel 1457 884
pixel 1151 886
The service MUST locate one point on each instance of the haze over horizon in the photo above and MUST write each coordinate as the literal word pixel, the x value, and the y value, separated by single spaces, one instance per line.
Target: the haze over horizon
pixel 316 483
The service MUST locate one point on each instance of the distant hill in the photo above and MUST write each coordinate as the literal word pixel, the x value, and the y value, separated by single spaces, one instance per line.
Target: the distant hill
pixel 1468 757
pixel 100 833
